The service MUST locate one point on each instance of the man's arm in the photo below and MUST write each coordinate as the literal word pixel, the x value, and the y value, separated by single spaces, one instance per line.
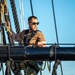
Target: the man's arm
pixel 12 33
pixel 41 42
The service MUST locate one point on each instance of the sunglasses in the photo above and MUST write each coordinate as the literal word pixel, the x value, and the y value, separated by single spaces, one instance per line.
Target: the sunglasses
pixel 33 23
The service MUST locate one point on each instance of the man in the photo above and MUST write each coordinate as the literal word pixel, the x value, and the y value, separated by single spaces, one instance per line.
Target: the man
pixel 30 37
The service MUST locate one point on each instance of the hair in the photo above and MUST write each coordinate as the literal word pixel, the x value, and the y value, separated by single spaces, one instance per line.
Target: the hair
pixel 30 18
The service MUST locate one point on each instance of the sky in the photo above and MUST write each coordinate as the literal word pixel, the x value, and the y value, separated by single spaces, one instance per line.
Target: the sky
pixel 65 22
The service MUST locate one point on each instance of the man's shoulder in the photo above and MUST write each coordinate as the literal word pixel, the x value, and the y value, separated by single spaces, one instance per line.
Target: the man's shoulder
pixel 38 31
pixel 26 31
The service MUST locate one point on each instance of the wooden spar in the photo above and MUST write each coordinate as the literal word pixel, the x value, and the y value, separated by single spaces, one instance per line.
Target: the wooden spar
pixel 19 53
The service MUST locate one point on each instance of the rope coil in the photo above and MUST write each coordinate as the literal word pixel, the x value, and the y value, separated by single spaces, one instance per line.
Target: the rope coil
pixel 57 62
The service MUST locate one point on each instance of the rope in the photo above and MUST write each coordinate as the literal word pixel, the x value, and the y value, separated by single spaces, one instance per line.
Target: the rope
pixel 21 8
pixel 2 68
pixel 57 62
pixel 12 41
pixel 6 18
pixel 31 7
pixel 55 22
pixel 61 68
pixel 2 31
pixel 1 25
pixel 41 69
pixel 12 3
pixel 21 16
pixel 8 71
pixel 49 66
pixel 15 16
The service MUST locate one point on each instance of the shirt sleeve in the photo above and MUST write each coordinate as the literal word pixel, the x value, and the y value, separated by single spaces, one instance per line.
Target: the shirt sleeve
pixel 20 36
pixel 41 36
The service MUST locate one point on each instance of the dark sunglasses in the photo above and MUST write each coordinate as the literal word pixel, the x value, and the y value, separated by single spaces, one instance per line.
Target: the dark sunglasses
pixel 33 23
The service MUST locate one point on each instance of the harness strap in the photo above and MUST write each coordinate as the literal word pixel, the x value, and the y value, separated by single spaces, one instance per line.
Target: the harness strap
pixel 26 42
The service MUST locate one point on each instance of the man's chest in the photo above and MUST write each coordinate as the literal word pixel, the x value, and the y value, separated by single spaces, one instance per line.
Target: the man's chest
pixel 32 39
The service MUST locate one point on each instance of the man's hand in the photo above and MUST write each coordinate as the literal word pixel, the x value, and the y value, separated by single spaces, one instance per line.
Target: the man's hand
pixel 7 27
pixel 41 44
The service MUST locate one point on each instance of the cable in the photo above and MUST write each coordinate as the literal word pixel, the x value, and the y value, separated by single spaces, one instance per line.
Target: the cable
pixel 17 26
pixel 21 9
pixel 61 68
pixel 49 66
pixel 57 62
pixel 31 7
pixel 12 3
pixel 55 22
pixel 41 69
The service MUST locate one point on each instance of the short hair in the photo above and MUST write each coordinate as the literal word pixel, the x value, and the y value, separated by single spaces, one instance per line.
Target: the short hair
pixel 29 19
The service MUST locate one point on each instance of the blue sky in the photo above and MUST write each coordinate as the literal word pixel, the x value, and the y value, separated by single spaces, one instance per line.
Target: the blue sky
pixel 65 21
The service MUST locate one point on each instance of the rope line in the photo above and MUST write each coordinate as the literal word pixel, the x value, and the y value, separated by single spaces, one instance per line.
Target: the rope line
pixel 57 62
pixel 17 26
pixel 12 3
pixel 55 21
pixel 31 7
pixel 22 19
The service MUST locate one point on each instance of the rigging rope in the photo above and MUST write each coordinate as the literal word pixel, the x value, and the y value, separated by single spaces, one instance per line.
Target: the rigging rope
pixel 22 20
pixel 41 69
pixel 12 3
pixel 12 41
pixel 57 62
pixel 49 65
pixel 2 32
pixel 55 21
pixel 31 7
pixel 1 25
pixel 6 19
